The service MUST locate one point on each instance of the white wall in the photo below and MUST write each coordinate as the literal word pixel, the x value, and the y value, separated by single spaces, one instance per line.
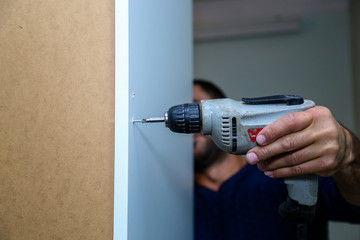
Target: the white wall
pixel 314 63
pixel 153 166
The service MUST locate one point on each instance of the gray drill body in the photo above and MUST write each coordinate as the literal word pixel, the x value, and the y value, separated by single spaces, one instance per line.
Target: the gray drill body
pixel 234 126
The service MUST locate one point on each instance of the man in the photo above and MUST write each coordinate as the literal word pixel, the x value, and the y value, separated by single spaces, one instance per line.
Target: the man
pixel 235 200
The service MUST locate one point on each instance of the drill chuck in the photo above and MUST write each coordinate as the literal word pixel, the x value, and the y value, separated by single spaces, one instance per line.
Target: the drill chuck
pixel 184 118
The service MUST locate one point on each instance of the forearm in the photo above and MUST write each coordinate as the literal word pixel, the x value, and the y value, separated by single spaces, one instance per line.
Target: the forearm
pixel 348 177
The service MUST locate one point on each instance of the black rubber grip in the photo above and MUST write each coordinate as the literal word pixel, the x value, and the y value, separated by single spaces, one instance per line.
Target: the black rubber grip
pixel 293 211
pixel 184 118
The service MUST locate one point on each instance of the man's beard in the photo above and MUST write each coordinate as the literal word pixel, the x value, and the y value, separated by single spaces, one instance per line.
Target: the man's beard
pixel 210 155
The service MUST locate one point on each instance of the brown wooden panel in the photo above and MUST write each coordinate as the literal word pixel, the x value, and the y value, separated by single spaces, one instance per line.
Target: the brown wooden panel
pixel 56 119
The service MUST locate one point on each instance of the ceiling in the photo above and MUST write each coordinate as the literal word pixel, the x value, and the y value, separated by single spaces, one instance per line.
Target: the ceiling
pixel 218 18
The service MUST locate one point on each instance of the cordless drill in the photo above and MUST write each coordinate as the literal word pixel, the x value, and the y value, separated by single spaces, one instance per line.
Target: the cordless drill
pixel 234 126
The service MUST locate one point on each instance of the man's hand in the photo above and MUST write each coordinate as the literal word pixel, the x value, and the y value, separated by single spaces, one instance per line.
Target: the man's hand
pixel 310 141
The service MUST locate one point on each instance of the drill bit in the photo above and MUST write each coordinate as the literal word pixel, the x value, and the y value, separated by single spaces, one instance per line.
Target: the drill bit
pixel 149 120
pixel 153 120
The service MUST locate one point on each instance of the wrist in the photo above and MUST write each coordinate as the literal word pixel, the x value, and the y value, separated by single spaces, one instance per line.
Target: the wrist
pixel 354 149
pixel 349 155
pixel 347 178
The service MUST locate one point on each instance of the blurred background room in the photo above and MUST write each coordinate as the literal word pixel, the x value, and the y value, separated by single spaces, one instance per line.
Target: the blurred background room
pixel 254 48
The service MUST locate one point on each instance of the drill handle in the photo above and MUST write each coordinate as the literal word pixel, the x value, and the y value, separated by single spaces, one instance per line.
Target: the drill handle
pixel 300 204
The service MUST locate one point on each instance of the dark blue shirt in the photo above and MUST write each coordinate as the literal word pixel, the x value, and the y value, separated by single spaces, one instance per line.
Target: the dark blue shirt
pixel 246 208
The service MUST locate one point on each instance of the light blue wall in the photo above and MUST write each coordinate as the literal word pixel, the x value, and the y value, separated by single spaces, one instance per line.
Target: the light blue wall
pixel 160 162
pixel 153 166
pixel 315 63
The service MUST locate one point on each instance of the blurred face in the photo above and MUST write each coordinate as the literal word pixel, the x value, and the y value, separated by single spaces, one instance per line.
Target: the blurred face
pixel 205 151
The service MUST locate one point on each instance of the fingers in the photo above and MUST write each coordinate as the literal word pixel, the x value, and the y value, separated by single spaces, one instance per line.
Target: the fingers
pixel 290 159
pixel 285 144
pixel 317 158
pixel 290 123
pixel 314 167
